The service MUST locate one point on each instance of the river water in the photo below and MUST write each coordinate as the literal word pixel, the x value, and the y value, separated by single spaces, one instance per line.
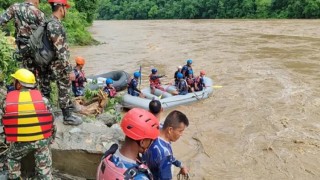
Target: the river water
pixel 264 122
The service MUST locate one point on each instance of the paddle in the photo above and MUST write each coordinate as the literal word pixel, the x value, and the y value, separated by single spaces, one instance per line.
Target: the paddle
pixel 217 86
pixel 140 77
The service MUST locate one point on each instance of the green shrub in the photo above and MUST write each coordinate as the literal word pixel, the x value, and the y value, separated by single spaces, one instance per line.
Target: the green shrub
pixel 8 65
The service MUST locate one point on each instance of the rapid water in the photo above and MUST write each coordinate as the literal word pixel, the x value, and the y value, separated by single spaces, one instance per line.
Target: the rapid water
pixel 264 122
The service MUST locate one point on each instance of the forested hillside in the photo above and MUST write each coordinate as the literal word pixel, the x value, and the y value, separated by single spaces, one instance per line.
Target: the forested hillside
pixel 205 9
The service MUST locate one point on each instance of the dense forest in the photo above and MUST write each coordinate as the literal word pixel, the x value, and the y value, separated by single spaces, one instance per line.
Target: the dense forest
pixel 207 9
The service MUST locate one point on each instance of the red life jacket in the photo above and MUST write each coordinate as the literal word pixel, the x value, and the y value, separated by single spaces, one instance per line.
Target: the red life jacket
pixel 190 81
pixel 154 80
pixel 26 117
pixel 80 78
pixel 111 91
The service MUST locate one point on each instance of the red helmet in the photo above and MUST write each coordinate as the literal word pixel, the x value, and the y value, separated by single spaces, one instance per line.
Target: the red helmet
pixel 202 72
pixel 80 60
pixel 140 124
pixel 63 2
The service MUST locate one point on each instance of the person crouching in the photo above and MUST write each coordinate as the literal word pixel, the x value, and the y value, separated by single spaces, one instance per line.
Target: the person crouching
pixel 80 79
pixel 109 89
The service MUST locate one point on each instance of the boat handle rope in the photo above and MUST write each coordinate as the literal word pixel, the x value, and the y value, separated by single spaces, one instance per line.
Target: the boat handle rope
pixel 183 177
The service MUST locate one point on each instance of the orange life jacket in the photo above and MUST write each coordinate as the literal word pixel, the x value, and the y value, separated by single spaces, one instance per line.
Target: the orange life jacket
pixel 26 117
pixel 154 80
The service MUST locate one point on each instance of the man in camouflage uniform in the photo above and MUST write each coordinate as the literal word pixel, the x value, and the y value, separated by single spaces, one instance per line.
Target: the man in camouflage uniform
pixel 24 82
pixel 3 149
pixel 60 67
pixel 27 17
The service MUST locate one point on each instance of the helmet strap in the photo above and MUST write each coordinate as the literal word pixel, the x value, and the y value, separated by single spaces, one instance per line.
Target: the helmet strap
pixel 17 85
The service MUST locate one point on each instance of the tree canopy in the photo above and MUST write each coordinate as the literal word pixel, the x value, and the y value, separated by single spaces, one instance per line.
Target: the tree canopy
pixel 207 9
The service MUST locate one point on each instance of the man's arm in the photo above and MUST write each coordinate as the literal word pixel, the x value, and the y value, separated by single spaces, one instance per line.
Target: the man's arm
pixel 59 40
pixel 7 15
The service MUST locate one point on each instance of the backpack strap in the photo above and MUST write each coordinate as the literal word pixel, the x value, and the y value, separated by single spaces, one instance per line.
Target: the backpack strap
pixel 111 150
pixel 135 170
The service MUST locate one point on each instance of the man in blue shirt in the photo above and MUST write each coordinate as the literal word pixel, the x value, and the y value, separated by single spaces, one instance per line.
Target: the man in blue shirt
pixel 159 157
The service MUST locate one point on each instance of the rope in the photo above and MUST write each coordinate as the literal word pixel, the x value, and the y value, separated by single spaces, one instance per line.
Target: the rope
pixel 183 177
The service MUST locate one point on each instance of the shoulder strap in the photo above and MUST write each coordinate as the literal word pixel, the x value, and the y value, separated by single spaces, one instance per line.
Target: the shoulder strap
pixel 135 170
pixel 111 150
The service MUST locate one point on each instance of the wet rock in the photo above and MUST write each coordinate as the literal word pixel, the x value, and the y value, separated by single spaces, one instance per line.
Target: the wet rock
pixel 75 130
pixel 77 151
pixel 107 118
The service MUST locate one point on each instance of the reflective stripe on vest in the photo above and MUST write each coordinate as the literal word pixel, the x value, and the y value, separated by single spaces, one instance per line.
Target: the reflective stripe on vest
pixel 26 117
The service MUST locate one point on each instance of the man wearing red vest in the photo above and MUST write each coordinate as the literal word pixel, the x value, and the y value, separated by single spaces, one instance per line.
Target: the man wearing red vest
pixel 28 126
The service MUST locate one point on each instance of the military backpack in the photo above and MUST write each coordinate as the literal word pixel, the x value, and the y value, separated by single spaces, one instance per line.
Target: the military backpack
pixel 41 47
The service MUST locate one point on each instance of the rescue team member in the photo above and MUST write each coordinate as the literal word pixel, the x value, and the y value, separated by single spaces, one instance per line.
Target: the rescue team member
pixel 28 126
pixel 155 82
pixel 156 109
pixel 140 128
pixel 176 80
pixel 27 17
pixel 159 157
pixel 109 89
pixel 190 81
pixel 182 87
pixel 199 81
pixel 79 79
pixel 59 68
pixel 133 85
pixel 186 68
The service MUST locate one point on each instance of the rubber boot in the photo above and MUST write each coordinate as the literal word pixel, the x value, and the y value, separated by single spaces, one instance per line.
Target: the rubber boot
pixel 69 119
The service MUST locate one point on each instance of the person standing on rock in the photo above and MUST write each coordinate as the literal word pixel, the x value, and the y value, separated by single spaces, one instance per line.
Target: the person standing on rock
pixel 159 157
pixel 60 68
pixel 140 128
pixel 27 17
pixel 28 126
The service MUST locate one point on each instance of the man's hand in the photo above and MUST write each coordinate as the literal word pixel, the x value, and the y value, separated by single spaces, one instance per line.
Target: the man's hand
pixel 184 171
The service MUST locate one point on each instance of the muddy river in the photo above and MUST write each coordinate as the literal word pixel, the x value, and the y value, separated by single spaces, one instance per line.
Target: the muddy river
pixel 264 123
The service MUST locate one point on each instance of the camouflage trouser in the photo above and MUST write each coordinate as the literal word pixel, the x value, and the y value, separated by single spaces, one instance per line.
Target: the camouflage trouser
pixel 3 154
pixel 61 74
pixel 42 157
pixel 57 70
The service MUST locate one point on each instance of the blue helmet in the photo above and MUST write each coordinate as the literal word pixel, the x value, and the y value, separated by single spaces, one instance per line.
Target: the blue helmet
pixel 179 75
pixel 189 61
pixel 136 74
pixel 154 70
pixel 109 81
pixel 190 71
